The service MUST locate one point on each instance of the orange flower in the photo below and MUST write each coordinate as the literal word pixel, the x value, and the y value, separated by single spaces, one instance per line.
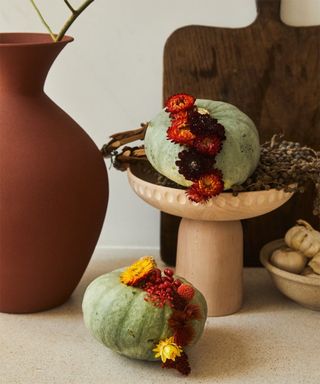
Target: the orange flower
pixel 179 102
pixel 186 291
pixel 179 133
pixel 205 187
pixel 138 271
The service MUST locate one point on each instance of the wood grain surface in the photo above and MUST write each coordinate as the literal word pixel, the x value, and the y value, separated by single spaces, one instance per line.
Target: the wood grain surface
pixel 271 72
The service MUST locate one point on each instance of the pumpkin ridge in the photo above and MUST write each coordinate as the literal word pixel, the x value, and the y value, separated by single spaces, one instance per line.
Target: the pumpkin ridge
pixel 165 318
pixel 105 315
pixel 119 326
pixel 158 316
pixel 105 289
pixel 139 336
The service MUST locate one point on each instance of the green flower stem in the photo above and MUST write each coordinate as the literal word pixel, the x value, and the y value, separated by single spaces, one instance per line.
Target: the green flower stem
pixel 75 13
pixel 43 20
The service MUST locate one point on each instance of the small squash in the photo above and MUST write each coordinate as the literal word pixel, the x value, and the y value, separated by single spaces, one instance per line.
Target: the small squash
pixel 314 264
pixel 121 313
pixel 308 271
pixel 237 160
pixel 288 260
pixel 304 238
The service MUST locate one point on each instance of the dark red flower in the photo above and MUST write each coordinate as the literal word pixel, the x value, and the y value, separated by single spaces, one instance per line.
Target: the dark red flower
pixel 200 122
pixel 209 145
pixel 178 302
pixel 192 312
pixel 181 364
pixel 205 125
pixel 177 320
pixel 192 164
pixel 207 186
pixel 179 102
pixel 184 335
pixel 183 331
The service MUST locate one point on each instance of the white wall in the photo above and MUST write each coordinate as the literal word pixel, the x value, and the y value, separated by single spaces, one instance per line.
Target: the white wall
pixel 110 78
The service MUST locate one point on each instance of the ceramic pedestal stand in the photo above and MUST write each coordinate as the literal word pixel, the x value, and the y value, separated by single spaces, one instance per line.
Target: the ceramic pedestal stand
pixel 210 239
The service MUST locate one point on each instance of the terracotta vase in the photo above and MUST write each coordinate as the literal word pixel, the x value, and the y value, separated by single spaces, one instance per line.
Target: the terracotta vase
pixel 53 183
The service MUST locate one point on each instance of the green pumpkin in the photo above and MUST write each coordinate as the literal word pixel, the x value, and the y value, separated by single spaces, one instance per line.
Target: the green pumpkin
pixel 237 160
pixel 118 316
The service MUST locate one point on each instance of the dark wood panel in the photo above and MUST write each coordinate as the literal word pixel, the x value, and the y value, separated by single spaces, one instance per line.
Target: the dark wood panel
pixel 270 71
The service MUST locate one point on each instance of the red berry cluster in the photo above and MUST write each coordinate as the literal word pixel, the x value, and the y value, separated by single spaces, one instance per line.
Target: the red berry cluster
pixel 161 289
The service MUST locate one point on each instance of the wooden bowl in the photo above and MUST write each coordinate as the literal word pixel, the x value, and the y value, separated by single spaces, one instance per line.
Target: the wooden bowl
pixel 304 290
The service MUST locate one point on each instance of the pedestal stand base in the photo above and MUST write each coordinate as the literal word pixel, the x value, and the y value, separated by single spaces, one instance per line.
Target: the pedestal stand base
pixel 210 256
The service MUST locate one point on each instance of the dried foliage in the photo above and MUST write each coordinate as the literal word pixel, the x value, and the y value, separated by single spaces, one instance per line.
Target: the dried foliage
pixel 285 165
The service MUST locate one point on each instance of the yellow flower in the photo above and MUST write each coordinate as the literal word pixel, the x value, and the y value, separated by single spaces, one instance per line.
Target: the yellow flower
pixel 167 349
pixel 138 270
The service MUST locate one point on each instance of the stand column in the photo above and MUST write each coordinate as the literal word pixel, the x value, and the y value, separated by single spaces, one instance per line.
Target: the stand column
pixel 210 256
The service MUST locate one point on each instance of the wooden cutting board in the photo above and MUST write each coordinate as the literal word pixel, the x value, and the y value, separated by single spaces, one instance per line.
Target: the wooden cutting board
pixel 271 72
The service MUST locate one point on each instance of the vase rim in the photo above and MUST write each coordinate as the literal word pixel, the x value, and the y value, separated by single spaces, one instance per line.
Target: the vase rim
pixel 17 39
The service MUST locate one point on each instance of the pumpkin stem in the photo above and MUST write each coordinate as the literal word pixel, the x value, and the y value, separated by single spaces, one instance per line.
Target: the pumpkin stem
pixel 305 224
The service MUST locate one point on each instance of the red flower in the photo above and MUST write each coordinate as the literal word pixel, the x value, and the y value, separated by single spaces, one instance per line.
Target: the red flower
pixel 177 320
pixel 184 335
pixel 179 133
pixel 192 312
pixel 209 145
pixel 207 186
pixel 186 291
pixel 178 302
pixel 179 102
pixel 182 116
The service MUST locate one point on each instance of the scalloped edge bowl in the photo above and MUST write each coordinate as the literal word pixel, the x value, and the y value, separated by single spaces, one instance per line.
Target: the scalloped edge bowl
pixel 304 290
pixel 224 207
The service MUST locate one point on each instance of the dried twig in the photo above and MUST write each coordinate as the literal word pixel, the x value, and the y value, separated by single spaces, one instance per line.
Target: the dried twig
pixel 121 161
pixel 75 13
pixel 122 138
pixel 53 36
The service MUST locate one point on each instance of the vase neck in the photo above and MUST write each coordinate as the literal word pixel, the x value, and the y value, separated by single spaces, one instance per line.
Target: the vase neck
pixel 25 60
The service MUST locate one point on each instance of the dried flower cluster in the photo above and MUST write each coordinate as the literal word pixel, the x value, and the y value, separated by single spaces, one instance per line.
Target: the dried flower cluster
pixel 202 135
pixel 165 289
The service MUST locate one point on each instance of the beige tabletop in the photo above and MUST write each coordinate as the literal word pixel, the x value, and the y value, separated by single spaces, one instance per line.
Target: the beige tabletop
pixel 271 340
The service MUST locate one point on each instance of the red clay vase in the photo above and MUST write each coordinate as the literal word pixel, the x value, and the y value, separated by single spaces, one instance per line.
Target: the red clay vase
pixel 53 183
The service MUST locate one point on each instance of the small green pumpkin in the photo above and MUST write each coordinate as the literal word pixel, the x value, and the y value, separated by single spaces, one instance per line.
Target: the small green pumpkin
pixel 119 317
pixel 237 160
